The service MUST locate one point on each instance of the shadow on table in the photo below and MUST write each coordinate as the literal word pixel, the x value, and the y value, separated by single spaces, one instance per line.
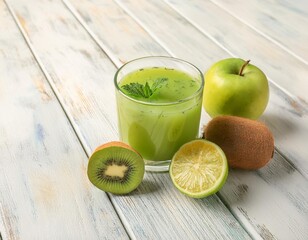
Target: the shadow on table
pixel 280 126
pixel 146 186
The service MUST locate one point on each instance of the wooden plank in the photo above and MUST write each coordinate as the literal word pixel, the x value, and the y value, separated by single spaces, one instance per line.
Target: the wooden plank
pixel 273 200
pixel 283 22
pixel 84 85
pixel 44 189
pixel 140 39
pixel 137 42
pixel 256 198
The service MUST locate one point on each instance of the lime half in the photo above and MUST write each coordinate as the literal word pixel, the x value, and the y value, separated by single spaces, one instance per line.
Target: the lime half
pixel 199 168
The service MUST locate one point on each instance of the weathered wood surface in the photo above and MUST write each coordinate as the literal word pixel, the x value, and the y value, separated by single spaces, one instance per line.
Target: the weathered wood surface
pixel 284 22
pixel 82 75
pixel 43 185
pixel 78 61
pixel 251 212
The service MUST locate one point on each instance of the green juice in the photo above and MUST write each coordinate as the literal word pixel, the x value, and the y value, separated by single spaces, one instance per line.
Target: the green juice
pixel 159 125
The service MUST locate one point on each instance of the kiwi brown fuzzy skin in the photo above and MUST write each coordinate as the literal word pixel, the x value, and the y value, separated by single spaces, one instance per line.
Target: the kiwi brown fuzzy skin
pixel 116 167
pixel 248 144
pixel 116 144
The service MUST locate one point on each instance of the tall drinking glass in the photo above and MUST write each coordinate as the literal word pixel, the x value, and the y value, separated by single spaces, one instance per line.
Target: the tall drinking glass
pixel 159 102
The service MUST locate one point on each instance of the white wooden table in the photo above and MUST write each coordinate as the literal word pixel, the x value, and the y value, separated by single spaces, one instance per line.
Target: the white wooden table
pixel 57 104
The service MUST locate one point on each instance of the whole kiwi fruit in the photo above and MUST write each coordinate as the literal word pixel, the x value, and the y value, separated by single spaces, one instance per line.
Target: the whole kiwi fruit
pixel 248 144
pixel 116 167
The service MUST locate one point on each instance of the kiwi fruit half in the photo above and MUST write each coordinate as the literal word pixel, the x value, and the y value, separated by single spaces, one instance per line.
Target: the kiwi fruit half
pixel 247 144
pixel 116 167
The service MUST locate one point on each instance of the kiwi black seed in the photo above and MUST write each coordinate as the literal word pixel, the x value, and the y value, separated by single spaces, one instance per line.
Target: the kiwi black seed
pixel 115 167
pixel 248 144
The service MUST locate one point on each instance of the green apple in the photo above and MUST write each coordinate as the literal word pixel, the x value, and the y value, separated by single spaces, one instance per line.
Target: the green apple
pixel 235 87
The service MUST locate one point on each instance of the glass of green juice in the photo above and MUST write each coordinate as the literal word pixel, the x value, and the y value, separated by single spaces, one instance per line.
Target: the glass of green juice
pixel 159 102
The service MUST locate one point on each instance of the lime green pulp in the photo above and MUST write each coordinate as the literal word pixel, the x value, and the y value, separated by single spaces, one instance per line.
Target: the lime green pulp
pixel 159 125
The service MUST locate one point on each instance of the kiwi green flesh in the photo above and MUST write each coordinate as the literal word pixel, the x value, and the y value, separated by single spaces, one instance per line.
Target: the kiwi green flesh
pixel 116 169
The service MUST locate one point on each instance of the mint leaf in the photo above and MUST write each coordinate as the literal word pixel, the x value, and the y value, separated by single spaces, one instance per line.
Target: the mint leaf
pixel 134 89
pixel 158 83
pixel 145 91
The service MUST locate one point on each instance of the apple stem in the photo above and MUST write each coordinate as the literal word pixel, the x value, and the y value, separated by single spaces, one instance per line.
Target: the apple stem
pixel 242 68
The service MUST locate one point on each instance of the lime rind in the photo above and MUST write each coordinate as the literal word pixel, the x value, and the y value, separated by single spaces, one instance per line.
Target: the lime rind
pixel 219 182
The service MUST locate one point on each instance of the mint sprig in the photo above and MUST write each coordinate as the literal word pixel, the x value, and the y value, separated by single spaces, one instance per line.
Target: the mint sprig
pixel 145 91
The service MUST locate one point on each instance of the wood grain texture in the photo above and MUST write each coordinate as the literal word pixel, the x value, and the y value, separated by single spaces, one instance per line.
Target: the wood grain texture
pixel 156 209
pixel 242 41
pixel 44 189
pixel 257 198
pixel 283 22
pixel 136 42
pixel 252 196
pixel 83 83
pixel 142 31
